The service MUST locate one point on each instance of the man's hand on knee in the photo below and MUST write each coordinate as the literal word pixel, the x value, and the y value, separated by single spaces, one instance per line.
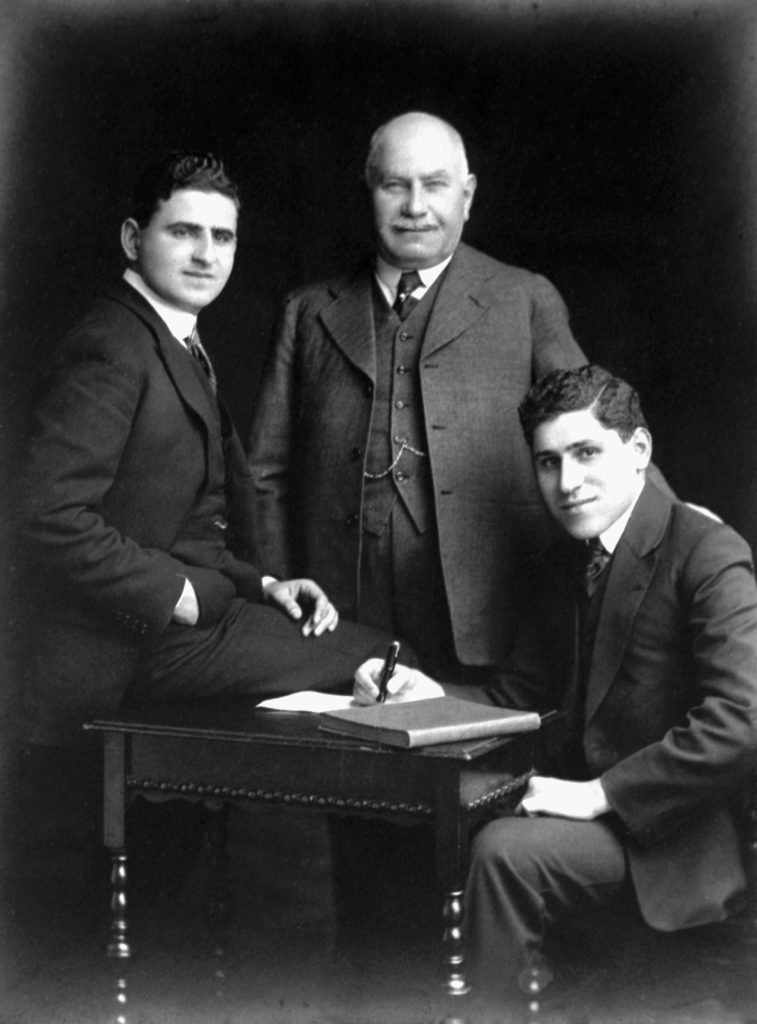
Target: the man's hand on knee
pixel 291 595
pixel 562 798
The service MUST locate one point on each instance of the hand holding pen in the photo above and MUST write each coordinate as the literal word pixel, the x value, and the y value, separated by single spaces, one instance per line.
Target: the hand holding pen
pixel 387 670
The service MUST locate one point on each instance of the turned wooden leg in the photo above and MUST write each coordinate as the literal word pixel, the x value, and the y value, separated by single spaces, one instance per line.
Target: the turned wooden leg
pixel 218 903
pixel 118 946
pixel 536 975
pixel 119 995
pixel 529 983
pixel 453 943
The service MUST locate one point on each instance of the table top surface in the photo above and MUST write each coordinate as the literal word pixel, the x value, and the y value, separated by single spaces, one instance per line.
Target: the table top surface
pixel 239 720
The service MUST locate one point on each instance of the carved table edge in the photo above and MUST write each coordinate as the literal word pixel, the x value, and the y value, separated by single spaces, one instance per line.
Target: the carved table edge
pixel 199 790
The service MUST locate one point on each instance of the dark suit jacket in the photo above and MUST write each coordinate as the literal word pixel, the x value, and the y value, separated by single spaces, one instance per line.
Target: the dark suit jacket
pixel 118 457
pixel 492 331
pixel 671 703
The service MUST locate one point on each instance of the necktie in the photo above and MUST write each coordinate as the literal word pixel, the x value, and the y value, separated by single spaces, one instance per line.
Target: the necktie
pixel 196 348
pixel 404 303
pixel 596 559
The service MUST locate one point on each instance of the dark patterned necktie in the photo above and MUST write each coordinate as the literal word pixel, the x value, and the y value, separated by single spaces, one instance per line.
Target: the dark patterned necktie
pixel 196 349
pixel 596 560
pixel 404 303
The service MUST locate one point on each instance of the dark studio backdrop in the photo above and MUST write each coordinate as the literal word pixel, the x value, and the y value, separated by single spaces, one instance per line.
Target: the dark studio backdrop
pixel 614 145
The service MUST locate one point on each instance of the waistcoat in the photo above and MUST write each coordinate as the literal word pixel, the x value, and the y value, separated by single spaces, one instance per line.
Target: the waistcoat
pixel 398 414
pixel 202 538
pixel 588 611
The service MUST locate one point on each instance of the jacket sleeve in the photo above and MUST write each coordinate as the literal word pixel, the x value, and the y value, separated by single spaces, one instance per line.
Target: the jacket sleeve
pixel 270 448
pixel 708 755
pixel 81 428
pixel 553 344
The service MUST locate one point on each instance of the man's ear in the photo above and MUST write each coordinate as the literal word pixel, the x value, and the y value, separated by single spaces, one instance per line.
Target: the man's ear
pixel 130 239
pixel 641 440
pixel 469 190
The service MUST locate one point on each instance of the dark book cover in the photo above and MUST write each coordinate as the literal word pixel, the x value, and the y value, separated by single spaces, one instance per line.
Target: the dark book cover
pixel 420 723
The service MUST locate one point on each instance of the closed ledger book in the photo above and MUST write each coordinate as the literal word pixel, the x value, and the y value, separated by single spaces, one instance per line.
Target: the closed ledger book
pixel 420 723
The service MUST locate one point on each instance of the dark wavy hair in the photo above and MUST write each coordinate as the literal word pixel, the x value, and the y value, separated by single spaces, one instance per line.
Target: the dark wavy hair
pixel 613 402
pixel 202 171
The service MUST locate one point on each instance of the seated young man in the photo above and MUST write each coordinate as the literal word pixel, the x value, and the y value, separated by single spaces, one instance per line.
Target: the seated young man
pixel 648 641
pixel 135 516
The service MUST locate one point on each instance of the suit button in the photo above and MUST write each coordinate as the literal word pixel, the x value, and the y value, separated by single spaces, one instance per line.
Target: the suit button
pixel 400 477
pixel 404 336
pixel 355 454
pixel 400 404
pixel 399 439
pixel 403 369
pixel 351 519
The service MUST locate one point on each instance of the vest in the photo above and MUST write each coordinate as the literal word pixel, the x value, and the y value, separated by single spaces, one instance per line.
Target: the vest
pixel 202 538
pixel 397 415
pixel 587 619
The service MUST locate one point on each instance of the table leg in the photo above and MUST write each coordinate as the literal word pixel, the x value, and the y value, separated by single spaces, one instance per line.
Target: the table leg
pixel 114 830
pixel 118 946
pixel 453 943
pixel 218 902
pixel 451 865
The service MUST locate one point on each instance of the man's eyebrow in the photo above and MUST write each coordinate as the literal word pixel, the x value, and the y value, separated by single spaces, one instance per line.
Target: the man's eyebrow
pixel 569 448
pixel 191 226
pixel 441 173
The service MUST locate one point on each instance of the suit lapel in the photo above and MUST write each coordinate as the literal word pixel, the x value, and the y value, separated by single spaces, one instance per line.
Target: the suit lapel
pixel 349 322
pixel 186 379
pixel 461 300
pixel 630 574
pixel 175 358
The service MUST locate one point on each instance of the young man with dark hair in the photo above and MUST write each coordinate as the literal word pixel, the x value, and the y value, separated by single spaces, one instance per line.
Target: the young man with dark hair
pixel 642 627
pixel 202 172
pixel 135 507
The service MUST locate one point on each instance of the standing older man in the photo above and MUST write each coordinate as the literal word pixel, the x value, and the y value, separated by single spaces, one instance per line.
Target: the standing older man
pixel 385 450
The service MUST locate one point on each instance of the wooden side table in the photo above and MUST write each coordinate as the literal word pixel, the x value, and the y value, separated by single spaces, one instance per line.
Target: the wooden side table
pixel 230 751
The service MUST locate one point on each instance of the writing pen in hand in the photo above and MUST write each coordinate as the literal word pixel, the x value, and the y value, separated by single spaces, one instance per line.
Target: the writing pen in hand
pixel 387 670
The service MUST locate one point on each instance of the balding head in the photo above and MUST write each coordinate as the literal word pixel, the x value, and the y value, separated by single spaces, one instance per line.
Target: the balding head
pixel 419 126
pixel 421 189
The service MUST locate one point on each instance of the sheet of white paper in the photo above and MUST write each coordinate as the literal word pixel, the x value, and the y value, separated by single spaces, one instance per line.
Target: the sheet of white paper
pixel 308 700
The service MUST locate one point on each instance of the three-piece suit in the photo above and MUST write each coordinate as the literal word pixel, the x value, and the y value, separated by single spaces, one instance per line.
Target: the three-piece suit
pixel 668 721
pixel 477 341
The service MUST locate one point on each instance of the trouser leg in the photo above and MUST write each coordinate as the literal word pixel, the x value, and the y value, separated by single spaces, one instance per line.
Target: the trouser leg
pixel 253 650
pixel 527 873
pixel 402 591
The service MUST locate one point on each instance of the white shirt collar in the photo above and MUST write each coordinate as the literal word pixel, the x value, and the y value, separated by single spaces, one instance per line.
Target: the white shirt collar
pixel 178 321
pixel 388 278
pixel 611 536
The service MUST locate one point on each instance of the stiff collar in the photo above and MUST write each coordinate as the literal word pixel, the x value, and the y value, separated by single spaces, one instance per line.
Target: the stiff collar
pixel 611 536
pixel 178 321
pixel 388 278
